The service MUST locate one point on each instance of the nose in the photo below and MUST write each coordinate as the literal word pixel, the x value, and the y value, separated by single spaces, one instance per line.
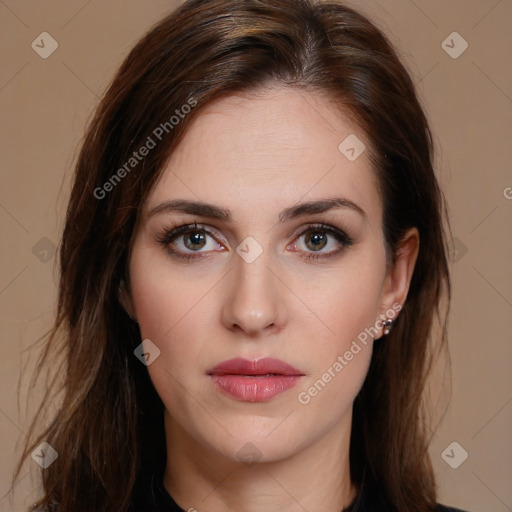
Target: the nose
pixel 255 301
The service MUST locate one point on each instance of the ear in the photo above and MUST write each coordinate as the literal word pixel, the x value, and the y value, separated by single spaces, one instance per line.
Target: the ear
pixel 125 300
pixel 398 277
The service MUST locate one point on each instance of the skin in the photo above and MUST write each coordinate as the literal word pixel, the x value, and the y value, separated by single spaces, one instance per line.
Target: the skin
pixel 257 155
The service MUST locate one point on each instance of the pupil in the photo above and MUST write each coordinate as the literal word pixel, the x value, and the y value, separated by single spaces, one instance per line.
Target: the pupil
pixel 195 240
pixel 319 240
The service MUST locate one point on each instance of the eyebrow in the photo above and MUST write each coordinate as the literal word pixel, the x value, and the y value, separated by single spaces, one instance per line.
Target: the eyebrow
pixel 215 212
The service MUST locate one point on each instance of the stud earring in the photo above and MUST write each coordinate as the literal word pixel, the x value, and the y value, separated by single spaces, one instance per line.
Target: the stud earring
pixel 387 325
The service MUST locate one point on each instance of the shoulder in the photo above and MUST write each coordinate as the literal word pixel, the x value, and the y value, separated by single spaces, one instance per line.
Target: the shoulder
pixel 150 495
pixel 373 498
pixel 446 508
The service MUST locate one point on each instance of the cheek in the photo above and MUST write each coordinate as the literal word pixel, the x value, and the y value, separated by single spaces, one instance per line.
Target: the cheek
pixel 348 305
pixel 174 315
pixel 347 301
pixel 340 360
pixel 331 393
pixel 169 309
pixel 160 293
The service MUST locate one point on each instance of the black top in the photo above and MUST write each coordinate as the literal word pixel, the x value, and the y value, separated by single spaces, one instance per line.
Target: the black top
pixel 150 495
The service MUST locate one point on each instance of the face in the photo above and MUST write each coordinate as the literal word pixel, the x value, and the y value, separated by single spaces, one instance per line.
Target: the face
pixel 261 240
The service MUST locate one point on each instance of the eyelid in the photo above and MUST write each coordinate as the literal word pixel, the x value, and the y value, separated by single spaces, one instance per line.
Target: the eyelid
pixel 322 226
pixel 338 233
pixel 169 233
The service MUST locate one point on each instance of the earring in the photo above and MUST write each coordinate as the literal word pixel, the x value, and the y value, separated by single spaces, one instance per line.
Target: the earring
pixel 387 325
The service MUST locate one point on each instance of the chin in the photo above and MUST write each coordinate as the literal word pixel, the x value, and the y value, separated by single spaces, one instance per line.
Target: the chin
pixel 256 443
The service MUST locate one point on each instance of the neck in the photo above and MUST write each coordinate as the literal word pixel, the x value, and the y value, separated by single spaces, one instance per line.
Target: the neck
pixel 316 477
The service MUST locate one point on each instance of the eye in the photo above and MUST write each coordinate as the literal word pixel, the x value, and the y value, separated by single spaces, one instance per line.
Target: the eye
pixel 321 241
pixel 193 240
pixel 184 241
pixel 196 241
pixel 316 240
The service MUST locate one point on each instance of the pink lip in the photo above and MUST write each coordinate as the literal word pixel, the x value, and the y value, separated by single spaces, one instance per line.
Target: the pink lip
pixel 254 381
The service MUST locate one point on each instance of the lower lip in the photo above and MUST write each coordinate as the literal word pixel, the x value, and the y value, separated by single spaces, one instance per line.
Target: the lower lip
pixel 254 388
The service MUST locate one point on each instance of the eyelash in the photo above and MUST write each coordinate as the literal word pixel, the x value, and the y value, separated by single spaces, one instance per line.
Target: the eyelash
pixel 170 233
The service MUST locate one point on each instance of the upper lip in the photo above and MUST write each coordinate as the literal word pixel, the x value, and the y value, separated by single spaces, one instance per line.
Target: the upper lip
pixel 264 366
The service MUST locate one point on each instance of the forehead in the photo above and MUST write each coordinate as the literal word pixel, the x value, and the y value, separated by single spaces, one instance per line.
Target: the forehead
pixel 271 149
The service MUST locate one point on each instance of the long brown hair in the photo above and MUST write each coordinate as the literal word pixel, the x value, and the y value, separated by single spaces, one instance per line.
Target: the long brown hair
pixel 108 428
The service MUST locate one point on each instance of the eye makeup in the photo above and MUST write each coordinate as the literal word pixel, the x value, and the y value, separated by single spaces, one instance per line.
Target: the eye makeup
pixel 171 236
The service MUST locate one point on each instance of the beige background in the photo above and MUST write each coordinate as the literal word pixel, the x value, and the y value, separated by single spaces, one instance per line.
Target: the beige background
pixel 45 102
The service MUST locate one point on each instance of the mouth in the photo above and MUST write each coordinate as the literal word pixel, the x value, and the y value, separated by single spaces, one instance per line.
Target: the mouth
pixel 254 381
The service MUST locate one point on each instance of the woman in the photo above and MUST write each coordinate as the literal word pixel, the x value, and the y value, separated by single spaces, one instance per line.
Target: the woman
pixel 252 268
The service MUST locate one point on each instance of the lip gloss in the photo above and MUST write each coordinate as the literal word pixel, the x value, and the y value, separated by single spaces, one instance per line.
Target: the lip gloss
pixel 254 380
pixel 255 388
